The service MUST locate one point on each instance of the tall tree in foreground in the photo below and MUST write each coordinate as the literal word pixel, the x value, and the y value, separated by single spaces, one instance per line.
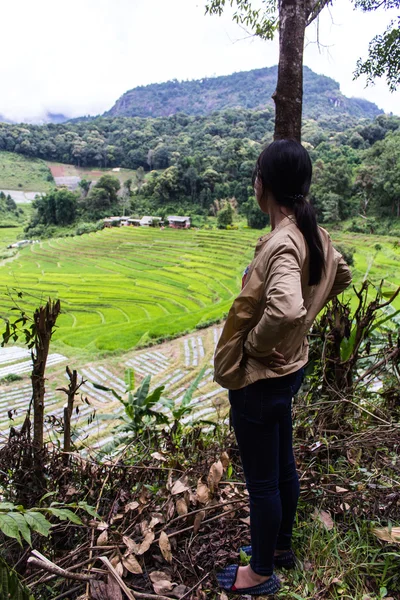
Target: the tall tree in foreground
pixel 291 17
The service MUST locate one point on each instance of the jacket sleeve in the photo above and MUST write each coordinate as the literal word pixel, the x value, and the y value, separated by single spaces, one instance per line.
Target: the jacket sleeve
pixel 284 308
pixel 342 279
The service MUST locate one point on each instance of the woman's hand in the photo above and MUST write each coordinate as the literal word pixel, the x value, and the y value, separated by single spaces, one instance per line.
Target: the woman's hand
pixel 275 359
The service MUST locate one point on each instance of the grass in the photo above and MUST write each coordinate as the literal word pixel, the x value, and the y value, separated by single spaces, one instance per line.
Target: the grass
pixel 21 173
pixel 343 563
pixel 121 286
pixel 9 235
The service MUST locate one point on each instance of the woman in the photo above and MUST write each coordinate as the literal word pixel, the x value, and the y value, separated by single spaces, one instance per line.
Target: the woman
pixel 263 349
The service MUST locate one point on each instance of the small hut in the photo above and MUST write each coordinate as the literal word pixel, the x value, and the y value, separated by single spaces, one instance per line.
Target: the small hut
pixel 179 222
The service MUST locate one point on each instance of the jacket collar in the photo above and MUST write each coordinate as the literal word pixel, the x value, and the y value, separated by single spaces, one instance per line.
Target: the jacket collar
pixel 284 223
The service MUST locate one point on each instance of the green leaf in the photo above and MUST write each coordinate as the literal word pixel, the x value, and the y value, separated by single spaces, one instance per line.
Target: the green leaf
pixel 142 391
pixel 64 514
pixel 89 509
pixel 47 496
pixel 6 506
pixel 22 526
pixel 107 389
pixel 180 412
pixel 168 403
pixel 387 318
pixel 154 396
pixel 9 527
pixel 347 345
pixel 160 418
pixel 205 422
pixel 130 411
pixel 38 522
pixel 193 387
pixel 130 379
pixel 10 585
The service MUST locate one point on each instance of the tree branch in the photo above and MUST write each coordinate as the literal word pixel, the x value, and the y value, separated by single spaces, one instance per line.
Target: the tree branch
pixel 55 570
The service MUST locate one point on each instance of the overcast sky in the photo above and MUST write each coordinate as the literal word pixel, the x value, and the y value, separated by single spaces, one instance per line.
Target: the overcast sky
pixel 79 56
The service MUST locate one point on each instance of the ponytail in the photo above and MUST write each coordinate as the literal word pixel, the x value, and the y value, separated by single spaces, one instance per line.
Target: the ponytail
pixel 307 223
pixel 285 169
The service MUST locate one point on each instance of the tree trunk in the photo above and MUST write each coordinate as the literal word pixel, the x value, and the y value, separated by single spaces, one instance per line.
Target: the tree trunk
pixel 288 95
pixel 44 322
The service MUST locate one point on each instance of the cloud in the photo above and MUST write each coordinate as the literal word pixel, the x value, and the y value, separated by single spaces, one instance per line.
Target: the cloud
pixel 78 57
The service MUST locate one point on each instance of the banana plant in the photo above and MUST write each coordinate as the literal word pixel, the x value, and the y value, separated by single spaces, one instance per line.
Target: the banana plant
pixel 140 408
pixel 143 411
pixel 184 408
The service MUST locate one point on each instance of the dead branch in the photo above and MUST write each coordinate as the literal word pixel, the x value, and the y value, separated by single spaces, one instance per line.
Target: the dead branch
pixel 117 577
pixel 71 392
pixel 55 570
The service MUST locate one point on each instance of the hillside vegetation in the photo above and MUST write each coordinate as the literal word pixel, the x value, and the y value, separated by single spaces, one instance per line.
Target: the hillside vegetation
pixel 248 89
pixel 19 172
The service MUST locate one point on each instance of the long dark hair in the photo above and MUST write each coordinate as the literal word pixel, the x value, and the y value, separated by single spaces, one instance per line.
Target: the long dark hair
pixel 284 169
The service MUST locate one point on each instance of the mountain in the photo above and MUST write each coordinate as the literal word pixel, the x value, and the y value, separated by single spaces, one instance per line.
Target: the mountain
pixel 48 117
pixel 55 118
pixel 246 89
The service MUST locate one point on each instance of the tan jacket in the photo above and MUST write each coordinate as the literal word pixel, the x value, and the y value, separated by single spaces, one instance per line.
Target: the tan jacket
pixel 276 307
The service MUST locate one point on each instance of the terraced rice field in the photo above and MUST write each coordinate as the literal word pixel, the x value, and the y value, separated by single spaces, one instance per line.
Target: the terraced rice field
pixel 173 364
pixel 123 285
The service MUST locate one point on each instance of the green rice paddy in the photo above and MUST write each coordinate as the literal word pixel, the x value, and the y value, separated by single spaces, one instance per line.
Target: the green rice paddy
pixel 122 286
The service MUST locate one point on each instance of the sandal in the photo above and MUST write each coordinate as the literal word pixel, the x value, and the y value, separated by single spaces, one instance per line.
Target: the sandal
pixel 227 577
pixel 286 560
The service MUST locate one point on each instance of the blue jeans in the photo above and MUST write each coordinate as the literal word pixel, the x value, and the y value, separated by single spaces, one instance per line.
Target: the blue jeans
pixel 262 420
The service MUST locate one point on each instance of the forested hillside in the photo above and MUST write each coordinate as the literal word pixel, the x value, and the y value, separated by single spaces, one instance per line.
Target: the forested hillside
pixel 248 89
pixel 199 162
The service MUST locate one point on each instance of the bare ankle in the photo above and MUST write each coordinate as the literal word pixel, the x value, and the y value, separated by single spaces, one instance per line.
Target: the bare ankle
pixel 256 576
